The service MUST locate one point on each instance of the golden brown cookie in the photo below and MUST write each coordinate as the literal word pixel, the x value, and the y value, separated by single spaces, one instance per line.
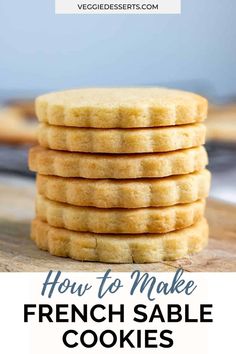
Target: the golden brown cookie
pixel 133 193
pixel 120 248
pixel 121 107
pixel 70 164
pixel 121 140
pixel 131 221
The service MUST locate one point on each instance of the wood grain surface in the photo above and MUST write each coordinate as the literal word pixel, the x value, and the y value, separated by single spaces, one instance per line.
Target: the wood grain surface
pixel 19 254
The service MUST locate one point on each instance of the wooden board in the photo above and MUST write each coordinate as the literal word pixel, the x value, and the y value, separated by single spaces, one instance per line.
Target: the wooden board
pixel 18 252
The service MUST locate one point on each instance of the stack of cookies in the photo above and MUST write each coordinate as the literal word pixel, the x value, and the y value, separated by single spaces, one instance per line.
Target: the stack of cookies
pixel 121 174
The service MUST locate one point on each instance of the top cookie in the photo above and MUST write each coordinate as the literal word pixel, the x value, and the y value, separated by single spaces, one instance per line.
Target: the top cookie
pixel 121 108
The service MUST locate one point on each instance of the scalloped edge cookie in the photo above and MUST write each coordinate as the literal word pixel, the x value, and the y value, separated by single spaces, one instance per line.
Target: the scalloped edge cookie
pixel 121 107
pixel 120 248
pixel 131 221
pixel 121 141
pixel 71 164
pixel 140 193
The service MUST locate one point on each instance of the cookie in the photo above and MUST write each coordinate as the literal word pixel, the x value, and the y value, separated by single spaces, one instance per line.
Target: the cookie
pixel 131 221
pixel 120 248
pixel 16 128
pixel 112 193
pixel 25 107
pixel 221 125
pixel 121 140
pixel 121 108
pixel 71 164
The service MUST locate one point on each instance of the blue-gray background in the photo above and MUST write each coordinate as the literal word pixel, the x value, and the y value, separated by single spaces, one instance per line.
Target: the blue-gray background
pixel 41 51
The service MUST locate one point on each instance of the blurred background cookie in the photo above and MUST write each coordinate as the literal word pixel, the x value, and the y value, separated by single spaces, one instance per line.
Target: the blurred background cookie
pixel 18 130
pixel 25 107
pixel 17 126
pixel 221 123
